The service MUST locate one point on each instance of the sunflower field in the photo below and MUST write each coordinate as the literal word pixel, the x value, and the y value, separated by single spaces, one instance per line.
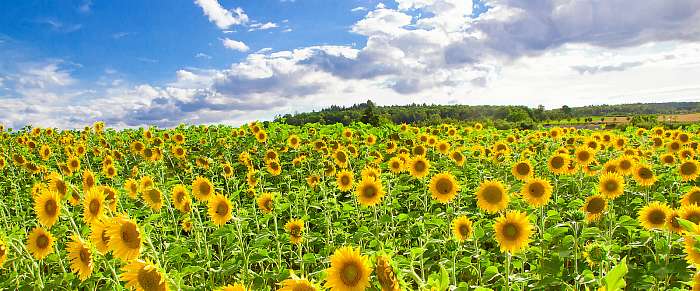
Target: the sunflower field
pixel 270 206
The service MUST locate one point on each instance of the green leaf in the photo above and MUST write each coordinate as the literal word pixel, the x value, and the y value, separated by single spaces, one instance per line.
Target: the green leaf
pixel 687 225
pixel 615 279
pixel 444 278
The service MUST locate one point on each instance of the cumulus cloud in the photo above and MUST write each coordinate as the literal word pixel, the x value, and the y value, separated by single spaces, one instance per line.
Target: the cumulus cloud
pixel 235 45
pixel 220 16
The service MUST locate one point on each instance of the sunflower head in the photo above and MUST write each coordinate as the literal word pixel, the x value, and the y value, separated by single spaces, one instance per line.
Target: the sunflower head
pixel 612 185
pixel 124 238
pixel 47 206
pixel 558 164
pixel 512 231
pixel 349 270
pixel 536 192
pixel 220 209
pixel 266 203
pixel 80 256
pixel 462 228
pixel 654 215
pixel 522 170
pixel 345 180
pixel 202 189
pixel 688 170
pixel 94 206
pixel 491 196
pixel 295 228
pixel 644 175
pixel 40 243
pixel 419 166
pixel 594 207
pixel 143 275
pixel 386 275
pixel 443 187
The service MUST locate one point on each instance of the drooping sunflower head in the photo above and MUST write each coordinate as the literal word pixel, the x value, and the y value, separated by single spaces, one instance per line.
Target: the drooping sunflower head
pixel 419 166
pixel 512 231
pixel 143 275
pixel 462 228
pixel 80 257
pixel 594 207
pixel 522 170
pixel 295 229
pixel 124 238
pixel 386 275
pixel 491 196
pixel 344 179
pixel 57 184
pixel 443 187
pixel 202 189
pixel 369 192
pixel 220 209
pixel 266 202
pixel 349 270
pixel 40 243
pixel 612 185
pixel 689 170
pixel 47 207
pixel 312 181
pixel 654 215
pixel 536 192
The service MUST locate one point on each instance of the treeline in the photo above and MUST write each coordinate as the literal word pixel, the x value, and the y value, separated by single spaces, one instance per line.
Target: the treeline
pixel 506 116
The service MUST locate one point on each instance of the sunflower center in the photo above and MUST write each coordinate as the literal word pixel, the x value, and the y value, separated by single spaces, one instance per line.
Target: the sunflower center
pixel 204 188
pixel 596 205
pixel 61 187
pixel 154 195
pixel 105 237
pixel 464 230
pixel 341 157
pixel 419 166
pixel 645 173
pixel 130 235
pixel 688 168
pixel 149 279
pixel 522 169
pixel 268 205
pixel 557 162
pixel 85 256
pixel 493 194
pixel 694 217
pixel 694 197
pixel 610 185
pixel 444 186
pixel 222 209
pixel 625 164
pixel 344 180
pixel 42 241
pixel 51 207
pixel 295 231
pixel 510 231
pixel 584 156
pixel 370 191
pixel 536 189
pixel 656 217
pixel 351 274
pixel 94 206
pixel 179 196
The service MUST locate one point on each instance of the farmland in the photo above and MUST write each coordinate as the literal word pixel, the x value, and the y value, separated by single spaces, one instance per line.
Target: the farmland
pixel 271 206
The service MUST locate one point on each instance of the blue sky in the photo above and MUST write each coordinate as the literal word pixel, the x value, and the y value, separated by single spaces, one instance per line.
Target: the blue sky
pixel 134 63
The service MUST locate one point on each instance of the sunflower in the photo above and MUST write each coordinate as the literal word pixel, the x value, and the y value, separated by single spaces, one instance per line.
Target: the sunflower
pixel 583 155
pixel 672 221
pixel 611 185
pixel 690 213
pixel 186 224
pixel 251 178
pixel 443 187
pixel 625 165
pixel 370 172
pixel 558 164
pixel 522 170
pixel 132 188
pixel 688 170
pixel 344 179
pixel 696 282
pixel 179 152
pixel 3 253
pixel 512 231
pixel 153 198
pixel 386 275
pixel 462 228
pixel 227 170
pixel 93 205
pixel 179 196
pixel 653 215
pixel 418 166
pixel 491 196
pixel 341 158
pixel 692 197
pixel 89 180
pixel 293 141
pixel 56 184
pixel 40 243
pixel 145 183
pixel 202 189
pixel 80 257
pixel 349 271
pixel 111 196
pixel 124 239
pixel 297 284
pixel 73 164
pixel 143 275
pixel 266 202
pixel 220 209
pixel 691 248
pixel 295 228
pixel 644 175
pixel 396 165
pixel 594 207
pixel 98 234
pixel 594 253
pixel 274 167
pixel 47 207
pixel 369 192
pixel 536 192
pixel 312 181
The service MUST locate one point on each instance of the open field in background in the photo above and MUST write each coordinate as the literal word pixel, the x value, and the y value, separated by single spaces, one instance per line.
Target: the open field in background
pixel 270 206
pixel 664 118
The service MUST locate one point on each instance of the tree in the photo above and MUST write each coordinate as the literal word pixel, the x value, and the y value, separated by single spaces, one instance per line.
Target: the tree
pixel 369 116
pixel 566 110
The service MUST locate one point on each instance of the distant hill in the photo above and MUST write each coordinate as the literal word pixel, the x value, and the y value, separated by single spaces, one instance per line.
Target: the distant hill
pixel 522 116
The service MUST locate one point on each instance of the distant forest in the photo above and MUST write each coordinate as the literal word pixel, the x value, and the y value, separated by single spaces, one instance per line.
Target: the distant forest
pixel 505 116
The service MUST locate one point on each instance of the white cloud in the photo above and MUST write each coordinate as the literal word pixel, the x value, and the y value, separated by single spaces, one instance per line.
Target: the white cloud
pixel 220 16
pixel 262 26
pixel 235 45
pixel 359 8
pixel 202 56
